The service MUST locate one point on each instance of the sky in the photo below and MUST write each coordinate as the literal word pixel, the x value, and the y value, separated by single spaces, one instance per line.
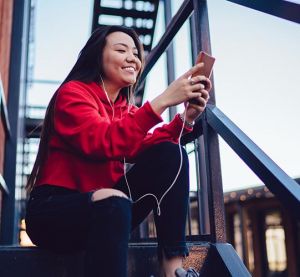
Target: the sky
pixel 257 85
pixel 256 73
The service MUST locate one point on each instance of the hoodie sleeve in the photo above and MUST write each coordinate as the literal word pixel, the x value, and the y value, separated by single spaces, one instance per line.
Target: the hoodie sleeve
pixel 77 120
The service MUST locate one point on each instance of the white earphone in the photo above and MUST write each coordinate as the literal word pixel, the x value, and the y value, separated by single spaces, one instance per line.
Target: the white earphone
pixel 124 160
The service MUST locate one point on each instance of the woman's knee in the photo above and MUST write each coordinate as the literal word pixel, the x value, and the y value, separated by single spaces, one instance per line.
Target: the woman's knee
pixel 112 207
pixel 168 152
pixel 106 193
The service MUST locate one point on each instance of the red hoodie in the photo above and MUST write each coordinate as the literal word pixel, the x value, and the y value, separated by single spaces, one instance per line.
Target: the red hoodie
pixel 87 148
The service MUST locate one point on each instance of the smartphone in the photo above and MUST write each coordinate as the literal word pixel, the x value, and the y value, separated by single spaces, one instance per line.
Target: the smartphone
pixel 208 64
pixel 206 70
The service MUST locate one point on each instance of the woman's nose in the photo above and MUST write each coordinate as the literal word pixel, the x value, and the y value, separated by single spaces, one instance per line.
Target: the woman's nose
pixel 130 57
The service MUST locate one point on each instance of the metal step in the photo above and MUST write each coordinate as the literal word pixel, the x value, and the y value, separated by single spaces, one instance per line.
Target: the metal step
pixel 126 13
pixel 34 262
pixel 210 259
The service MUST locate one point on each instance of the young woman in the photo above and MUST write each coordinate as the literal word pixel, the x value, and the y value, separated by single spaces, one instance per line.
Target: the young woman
pixel 81 196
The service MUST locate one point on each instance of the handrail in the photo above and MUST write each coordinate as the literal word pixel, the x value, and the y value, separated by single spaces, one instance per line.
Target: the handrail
pixel 283 186
pixel 280 8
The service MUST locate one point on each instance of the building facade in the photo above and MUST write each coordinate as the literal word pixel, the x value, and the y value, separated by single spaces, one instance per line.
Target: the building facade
pixel 264 233
pixel 6 13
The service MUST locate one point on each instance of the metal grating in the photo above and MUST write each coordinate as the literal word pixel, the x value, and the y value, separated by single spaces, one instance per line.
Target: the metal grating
pixel 140 15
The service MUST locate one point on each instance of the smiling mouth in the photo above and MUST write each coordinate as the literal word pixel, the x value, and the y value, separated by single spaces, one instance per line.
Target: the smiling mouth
pixel 129 69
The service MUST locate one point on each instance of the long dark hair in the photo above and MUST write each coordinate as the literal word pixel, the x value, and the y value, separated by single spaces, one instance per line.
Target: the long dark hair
pixel 88 68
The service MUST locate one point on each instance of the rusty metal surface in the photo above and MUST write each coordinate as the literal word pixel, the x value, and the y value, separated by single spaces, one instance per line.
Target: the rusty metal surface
pixel 197 257
pixel 143 259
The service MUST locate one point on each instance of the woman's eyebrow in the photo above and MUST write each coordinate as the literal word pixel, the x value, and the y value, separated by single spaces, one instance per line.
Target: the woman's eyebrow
pixel 124 44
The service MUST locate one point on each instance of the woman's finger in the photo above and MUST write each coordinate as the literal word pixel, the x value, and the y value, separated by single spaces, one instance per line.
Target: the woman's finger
pixel 196 86
pixel 204 94
pixel 203 80
pixel 197 108
pixel 194 95
pixel 199 78
pixel 193 70
pixel 208 84
pixel 198 101
pixel 201 102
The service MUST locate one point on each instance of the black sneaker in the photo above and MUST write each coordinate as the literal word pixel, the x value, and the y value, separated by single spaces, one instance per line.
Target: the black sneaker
pixel 180 272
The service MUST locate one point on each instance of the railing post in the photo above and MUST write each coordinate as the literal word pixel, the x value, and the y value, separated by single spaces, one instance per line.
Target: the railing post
pixel 170 54
pixel 210 167
pixel 202 186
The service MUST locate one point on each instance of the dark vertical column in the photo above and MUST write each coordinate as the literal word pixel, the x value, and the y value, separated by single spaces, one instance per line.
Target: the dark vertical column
pixel 259 243
pixel 210 167
pixel 256 244
pixel 290 230
pixel 170 54
pixel 230 227
pixel 243 229
pixel 96 12
pixel 15 105
pixel 202 187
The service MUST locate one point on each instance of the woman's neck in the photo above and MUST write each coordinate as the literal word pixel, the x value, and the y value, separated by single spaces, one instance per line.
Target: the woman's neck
pixel 111 90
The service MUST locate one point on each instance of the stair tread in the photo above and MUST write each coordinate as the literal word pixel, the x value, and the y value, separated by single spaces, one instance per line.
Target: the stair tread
pixel 127 13
pixel 142 261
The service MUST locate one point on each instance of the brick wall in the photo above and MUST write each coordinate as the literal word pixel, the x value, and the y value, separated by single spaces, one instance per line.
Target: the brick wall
pixel 6 8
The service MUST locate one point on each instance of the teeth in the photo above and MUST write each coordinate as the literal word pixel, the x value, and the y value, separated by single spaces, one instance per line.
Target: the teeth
pixel 129 68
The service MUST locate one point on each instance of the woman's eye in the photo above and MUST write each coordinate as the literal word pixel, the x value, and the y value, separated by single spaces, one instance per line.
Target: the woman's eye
pixel 121 50
pixel 136 54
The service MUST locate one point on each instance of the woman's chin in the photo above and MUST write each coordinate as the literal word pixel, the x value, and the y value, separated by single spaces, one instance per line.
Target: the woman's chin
pixel 128 83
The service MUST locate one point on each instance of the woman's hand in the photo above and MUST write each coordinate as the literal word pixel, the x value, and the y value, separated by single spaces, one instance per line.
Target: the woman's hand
pixel 195 109
pixel 182 90
pixel 197 106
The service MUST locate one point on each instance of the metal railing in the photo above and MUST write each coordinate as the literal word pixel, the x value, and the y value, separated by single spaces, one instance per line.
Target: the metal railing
pixel 286 189
pixel 209 197
pixel 281 8
pixel 205 136
pixel 214 122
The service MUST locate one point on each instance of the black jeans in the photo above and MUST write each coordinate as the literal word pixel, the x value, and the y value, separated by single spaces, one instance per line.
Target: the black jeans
pixel 65 220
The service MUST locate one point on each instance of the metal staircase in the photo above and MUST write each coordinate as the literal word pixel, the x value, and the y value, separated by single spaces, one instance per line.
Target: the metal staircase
pixel 140 15
pixel 209 251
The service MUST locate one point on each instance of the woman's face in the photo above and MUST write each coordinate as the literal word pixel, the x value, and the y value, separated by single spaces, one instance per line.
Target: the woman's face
pixel 121 64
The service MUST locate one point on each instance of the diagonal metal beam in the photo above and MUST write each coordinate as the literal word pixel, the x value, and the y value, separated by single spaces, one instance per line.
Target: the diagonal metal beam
pixel 283 186
pixel 175 24
pixel 280 8
pixel 223 261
